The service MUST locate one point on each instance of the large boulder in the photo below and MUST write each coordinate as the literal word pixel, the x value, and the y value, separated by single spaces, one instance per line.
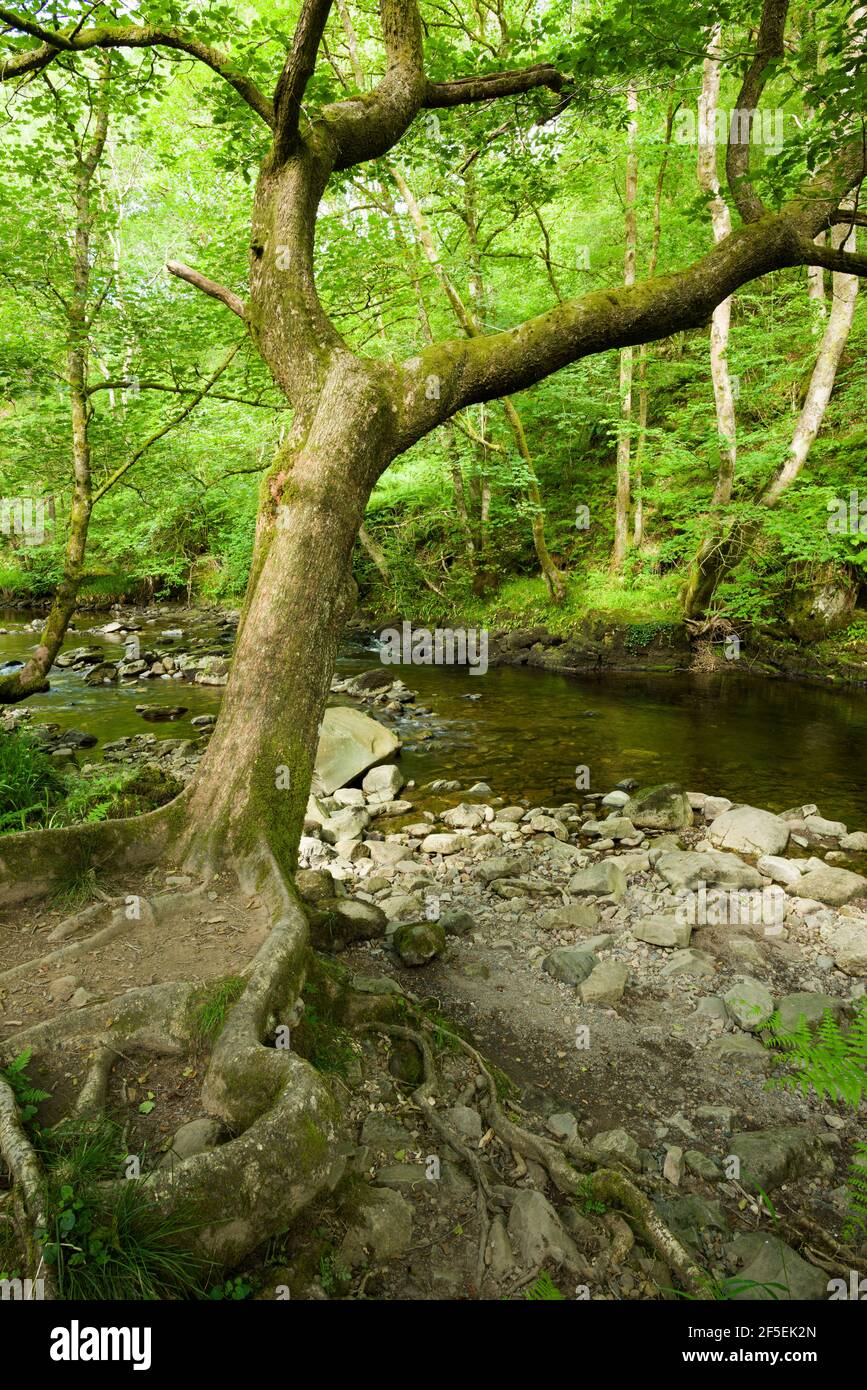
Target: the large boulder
pixel 748 830
pixel 349 743
pixel 769 1157
pixel 665 807
pixel 773 1271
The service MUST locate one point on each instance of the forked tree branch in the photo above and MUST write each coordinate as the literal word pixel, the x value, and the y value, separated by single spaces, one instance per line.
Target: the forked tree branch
pixel 201 282
pixel 55 42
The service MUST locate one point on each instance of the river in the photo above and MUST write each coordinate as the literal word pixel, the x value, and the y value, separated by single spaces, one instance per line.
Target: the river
pixel 775 744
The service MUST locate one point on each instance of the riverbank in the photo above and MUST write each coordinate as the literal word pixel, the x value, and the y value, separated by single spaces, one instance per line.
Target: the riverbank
pixel 593 644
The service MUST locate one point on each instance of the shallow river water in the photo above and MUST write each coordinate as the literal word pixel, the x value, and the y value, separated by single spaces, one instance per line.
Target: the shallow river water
pixel 772 743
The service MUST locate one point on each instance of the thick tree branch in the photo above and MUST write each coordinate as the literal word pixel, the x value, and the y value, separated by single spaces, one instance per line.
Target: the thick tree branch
pixel 55 42
pixel 464 90
pixel 194 277
pixel 769 45
pixel 297 71
pixel 469 371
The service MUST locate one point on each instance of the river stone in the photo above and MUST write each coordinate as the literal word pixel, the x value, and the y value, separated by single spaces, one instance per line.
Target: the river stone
pixel 750 831
pixel 848 945
pixel 825 829
pixel 687 869
pixel 571 917
pixel 599 880
pixel 808 1006
pixel 748 1003
pixel 402 907
pixel 457 922
pixel 503 866
pixel 444 843
pixel 772 1156
pixel 383 1132
pixel 570 964
pixel 195 1137
pixel 349 743
pixel 742 1049
pixel 612 828
pixel 316 885
pixel 716 806
pixel 563 1125
pixel 664 807
pixel 832 886
pixel 465 1120
pixel 773 1270
pixel 347 796
pixel 605 983
pixel 386 778
pixel 103 674
pixel 345 825
pixel 615 800
pixel 689 961
pixel 857 842
pixel 616 1146
pixel 340 921
pixel 388 851
pixel 662 931
pixel 785 871
pixel 537 1234
pixel 419 942
pixel 381 1228
pixel 464 817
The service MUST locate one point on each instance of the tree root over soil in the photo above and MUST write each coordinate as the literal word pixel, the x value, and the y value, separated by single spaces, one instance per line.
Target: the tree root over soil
pixel 279 1113
pixel 605 1185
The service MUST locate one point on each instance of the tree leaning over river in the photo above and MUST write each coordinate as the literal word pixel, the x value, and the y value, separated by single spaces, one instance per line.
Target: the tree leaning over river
pixel 352 417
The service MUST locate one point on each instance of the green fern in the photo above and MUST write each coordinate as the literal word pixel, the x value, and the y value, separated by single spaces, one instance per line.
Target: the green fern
pixel 544 1290
pixel 27 1096
pixel 832 1063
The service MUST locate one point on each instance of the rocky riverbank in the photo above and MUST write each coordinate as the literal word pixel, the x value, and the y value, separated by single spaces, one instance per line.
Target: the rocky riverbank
pixel 621 955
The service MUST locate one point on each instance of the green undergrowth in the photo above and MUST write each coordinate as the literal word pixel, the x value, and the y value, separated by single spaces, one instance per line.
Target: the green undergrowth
pixel 36 793
pixel 214 1004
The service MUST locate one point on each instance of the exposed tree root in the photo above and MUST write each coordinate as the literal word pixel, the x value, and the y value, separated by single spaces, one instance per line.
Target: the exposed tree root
pixel 26 1174
pixel 33 863
pixel 281 1116
pixel 605 1185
